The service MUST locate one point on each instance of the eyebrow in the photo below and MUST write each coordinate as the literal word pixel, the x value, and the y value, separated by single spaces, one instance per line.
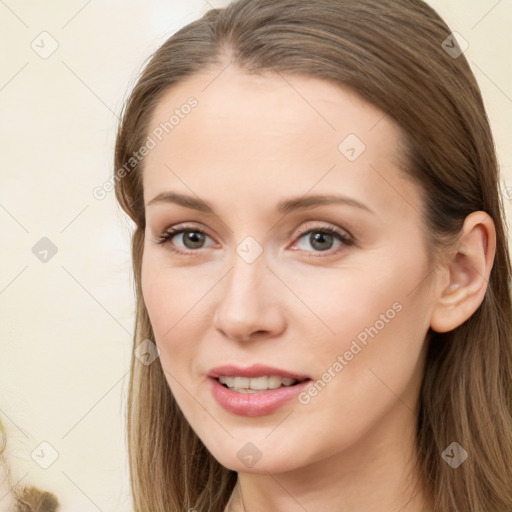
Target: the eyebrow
pixel 284 207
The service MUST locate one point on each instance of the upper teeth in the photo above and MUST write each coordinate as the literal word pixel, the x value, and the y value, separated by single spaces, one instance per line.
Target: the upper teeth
pixel 258 383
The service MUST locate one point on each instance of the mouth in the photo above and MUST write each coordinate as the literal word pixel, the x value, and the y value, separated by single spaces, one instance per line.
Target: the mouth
pixel 259 394
pixel 255 378
pixel 241 384
pixel 255 390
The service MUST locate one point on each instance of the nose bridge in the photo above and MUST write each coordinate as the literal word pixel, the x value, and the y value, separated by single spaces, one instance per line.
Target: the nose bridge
pixel 248 270
pixel 246 304
pixel 244 284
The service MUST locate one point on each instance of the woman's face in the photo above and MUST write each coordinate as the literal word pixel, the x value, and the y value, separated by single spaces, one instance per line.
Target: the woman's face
pixel 253 282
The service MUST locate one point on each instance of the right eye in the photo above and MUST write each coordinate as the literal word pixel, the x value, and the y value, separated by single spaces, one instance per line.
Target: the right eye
pixel 191 239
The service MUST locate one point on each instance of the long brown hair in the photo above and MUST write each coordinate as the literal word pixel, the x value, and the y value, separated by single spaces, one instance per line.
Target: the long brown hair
pixel 396 55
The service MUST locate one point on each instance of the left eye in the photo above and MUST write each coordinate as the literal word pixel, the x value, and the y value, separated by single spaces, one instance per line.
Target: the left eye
pixel 323 239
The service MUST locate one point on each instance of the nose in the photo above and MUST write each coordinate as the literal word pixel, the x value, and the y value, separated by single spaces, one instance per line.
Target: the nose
pixel 250 304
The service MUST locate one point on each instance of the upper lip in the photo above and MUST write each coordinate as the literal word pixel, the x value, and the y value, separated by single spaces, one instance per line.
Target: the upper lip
pixel 256 370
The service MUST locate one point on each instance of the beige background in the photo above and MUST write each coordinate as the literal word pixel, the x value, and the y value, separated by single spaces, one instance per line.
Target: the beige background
pixel 66 324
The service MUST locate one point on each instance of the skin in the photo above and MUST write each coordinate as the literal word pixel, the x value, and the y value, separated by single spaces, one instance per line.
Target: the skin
pixel 251 142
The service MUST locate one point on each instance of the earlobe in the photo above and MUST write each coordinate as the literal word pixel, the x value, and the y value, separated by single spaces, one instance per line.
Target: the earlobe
pixel 469 270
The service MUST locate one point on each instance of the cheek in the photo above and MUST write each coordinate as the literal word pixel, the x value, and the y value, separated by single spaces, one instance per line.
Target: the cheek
pixel 340 304
pixel 175 310
pixel 377 353
pixel 374 318
pixel 154 293
pixel 169 293
pixel 159 294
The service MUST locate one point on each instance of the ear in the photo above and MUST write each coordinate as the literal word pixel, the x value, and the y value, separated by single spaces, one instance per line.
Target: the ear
pixel 469 270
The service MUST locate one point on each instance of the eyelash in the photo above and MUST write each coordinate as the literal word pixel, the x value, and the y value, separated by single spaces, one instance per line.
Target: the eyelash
pixel 347 240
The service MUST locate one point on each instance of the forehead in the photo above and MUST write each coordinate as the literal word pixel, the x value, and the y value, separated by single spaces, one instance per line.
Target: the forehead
pixel 261 134
pixel 252 107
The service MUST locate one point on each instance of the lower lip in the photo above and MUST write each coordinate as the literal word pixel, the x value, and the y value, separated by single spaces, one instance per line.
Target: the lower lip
pixel 259 403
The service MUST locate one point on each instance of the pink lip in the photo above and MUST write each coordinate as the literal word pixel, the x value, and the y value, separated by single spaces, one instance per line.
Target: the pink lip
pixel 259 403
pixel 256 370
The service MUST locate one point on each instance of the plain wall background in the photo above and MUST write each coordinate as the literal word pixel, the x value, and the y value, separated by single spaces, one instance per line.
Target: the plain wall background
pixel 66 324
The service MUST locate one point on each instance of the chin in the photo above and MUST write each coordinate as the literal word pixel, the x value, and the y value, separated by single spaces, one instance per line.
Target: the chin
pixel 248 460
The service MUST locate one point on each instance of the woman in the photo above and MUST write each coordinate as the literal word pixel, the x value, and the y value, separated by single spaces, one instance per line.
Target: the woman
pixel 321 265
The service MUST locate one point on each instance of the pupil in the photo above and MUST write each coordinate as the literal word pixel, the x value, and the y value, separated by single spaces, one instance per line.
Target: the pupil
pixel 321 237
pixel 194 238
